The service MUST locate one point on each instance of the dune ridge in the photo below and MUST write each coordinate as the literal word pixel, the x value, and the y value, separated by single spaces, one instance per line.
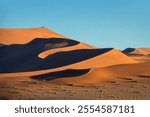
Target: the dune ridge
pixel 21 36
pixel 137 51
pixel 68 48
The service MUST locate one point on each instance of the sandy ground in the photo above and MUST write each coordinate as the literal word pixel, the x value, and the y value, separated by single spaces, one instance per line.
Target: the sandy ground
pixel 109 89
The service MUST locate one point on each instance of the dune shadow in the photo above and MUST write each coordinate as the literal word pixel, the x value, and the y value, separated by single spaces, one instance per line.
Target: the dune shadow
pixel 61 74
pixel 2 46
pixel 144 76
pixel 126 78
pixel 128 50
pixel 60 59
pixel 15 55
pixel 52 43
pixel 24 57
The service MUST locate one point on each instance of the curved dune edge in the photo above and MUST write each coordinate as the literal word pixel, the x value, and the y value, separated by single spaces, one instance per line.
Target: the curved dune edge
pixel 21 36
pixel 15 56
pixel 25 35
pixel 74 47
pixel 103 60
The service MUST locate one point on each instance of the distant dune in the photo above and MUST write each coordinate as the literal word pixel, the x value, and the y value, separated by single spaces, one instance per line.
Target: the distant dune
pixel 137 51
pixel 141 55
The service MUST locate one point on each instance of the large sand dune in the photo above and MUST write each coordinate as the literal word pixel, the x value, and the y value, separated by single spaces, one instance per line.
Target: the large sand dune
pixel 25 35
pixel 28 56
pixel 15 55
pixel 19 59
pixel 52 53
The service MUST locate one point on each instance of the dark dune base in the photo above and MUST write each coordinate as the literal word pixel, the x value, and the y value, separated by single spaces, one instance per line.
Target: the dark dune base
pixel 61 74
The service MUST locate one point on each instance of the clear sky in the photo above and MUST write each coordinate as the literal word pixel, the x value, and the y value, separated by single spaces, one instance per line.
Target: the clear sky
pixel 102 23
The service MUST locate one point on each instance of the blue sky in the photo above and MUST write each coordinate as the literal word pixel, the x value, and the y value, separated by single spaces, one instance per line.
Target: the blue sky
pixel 102 23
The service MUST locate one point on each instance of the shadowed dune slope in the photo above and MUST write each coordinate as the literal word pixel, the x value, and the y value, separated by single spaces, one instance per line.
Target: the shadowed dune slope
pixel 29 60
pixel 107 58
pixel 17 54
pixel 61 59
pixel 23 61
pixel 74 60
pixel 61 74
pixel 137 51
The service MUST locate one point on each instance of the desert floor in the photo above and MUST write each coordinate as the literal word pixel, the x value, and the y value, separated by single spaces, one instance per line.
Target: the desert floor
pixel 116 89
pixel 126 84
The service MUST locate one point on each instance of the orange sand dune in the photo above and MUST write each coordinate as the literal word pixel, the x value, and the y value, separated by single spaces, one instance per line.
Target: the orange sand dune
pixel 80 70
pixel 109 58
pixel 25 35
pixel 51 54
pixel 102 60
pixel 21 47
pixel 137 51
pixel 98 75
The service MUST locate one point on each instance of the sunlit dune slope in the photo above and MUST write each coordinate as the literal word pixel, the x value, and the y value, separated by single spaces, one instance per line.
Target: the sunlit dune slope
pixel 25 35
